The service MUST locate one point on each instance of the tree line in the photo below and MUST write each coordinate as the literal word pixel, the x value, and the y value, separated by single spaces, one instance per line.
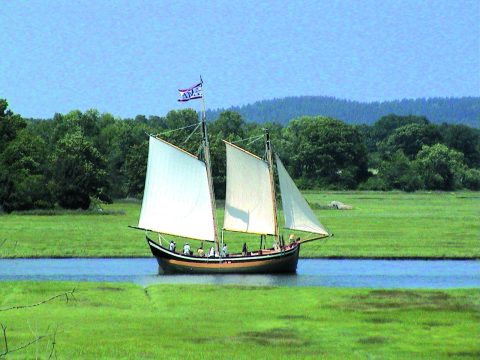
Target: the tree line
pixel 77 157
pixel 463 110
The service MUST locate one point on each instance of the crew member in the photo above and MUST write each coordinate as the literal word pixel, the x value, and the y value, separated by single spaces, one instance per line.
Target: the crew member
pixel 186 249
pixel 244 249
pixel 225 250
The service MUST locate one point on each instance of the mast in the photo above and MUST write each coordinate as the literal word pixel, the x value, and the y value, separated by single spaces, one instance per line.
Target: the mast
pixel 206 154
pixel 268 148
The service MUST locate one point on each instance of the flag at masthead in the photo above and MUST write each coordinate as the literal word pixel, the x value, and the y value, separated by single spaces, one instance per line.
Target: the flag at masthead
pixel 193 92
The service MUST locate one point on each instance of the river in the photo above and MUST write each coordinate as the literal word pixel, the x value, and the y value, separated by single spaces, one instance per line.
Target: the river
pixel 437 274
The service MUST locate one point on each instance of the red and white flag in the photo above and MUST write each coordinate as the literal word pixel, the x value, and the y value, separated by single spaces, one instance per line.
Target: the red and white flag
pixel 193 92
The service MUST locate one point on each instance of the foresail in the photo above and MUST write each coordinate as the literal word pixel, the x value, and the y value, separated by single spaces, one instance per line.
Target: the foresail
pixel 176 199
pixel 248 202
pixel 298 214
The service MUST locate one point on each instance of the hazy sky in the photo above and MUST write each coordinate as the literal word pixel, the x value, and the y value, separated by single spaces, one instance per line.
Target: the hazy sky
pixel 130 57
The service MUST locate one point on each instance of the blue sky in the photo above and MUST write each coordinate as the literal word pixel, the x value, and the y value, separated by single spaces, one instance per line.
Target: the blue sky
pixel 130 57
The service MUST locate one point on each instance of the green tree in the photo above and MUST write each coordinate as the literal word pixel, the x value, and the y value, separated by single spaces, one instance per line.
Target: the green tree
pixel 441 168
pixel 410 139
pixel 109 144
pixel 384 127
pixel 400 173
pixel 465 139
pixel 367 132
pixel 118 139
pixel 44 129
pixel 325 151
pixel 23 157
pixel 230 125
pixel 10 124
pixel 88 121
pixel 24 174
pixel 157 122
pixel 135 169
pixel 79 171
pixel 471 179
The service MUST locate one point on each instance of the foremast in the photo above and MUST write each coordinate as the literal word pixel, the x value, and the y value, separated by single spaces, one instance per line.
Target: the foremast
pixel 268 148
pixel 208 164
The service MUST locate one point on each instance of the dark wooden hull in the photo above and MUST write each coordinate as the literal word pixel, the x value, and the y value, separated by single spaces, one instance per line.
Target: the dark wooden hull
pixel 272 263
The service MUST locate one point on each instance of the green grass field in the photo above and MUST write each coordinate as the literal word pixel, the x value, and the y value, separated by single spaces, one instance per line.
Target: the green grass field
pixel 125 321
pixel 391 224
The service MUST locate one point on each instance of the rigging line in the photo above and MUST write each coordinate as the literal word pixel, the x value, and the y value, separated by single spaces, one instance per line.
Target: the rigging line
pixel 182 128
pixel 257 137
pixel 193 132
pixel 161 237
pixel 199 151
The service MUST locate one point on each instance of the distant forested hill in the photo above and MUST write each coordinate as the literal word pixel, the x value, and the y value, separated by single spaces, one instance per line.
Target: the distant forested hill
pixel 464 110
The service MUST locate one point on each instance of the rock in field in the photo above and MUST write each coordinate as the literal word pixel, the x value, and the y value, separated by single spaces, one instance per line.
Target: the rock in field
pixel 340 206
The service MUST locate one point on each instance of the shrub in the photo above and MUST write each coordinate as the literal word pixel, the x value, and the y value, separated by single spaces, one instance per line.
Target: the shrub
pixel 471 179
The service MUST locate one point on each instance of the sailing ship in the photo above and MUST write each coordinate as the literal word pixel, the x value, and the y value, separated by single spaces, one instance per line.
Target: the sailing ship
pixel 179 201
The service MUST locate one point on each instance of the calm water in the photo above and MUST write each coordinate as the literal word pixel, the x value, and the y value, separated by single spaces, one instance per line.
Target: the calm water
pixel 333 273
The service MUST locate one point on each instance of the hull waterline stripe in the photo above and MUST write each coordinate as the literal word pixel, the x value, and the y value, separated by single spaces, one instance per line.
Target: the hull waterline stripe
pixel 224 264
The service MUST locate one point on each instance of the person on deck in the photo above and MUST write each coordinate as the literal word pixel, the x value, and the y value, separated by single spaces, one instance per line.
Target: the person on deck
pixel 225 251
pixel 276 245
pixel 244 249
pixel 172 246
pixel 291 238
pixel 200 252
pixel 186 249
pixel 211 253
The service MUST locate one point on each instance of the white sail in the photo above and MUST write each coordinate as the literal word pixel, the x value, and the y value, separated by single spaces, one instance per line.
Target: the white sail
pixel 248 202
pixel 298 214
pixel 176 199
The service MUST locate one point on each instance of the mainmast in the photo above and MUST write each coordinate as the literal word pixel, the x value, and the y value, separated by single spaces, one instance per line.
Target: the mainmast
pixel 206 154
pixel 268 148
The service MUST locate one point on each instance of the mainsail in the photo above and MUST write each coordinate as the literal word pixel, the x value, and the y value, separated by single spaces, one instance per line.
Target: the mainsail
pixel 298 214
pixel 176 199
pixel 249 203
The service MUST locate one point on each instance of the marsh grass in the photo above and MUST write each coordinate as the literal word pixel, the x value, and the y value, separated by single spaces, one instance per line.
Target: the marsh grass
pixel 381 224
pixel 125 321
pixel 57 212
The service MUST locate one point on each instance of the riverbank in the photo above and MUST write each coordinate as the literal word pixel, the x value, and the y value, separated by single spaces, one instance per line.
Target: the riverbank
pixel 381 225
pixel 116 321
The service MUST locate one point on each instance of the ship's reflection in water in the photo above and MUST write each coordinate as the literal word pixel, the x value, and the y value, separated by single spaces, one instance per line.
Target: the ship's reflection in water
pixel 439 274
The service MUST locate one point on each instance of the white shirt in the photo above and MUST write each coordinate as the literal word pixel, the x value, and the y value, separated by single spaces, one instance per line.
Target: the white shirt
pixel 186 249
